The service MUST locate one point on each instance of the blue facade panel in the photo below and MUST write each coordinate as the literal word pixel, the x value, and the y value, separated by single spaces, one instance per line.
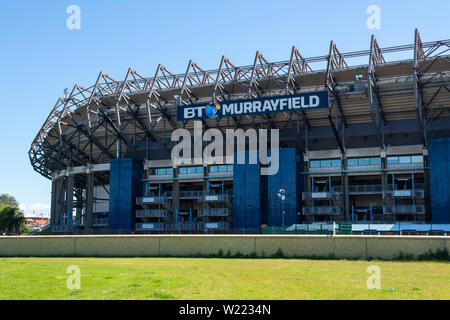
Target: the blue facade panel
pixel 289 178
pixel 247 196
pixel 125 186
pixel 439 168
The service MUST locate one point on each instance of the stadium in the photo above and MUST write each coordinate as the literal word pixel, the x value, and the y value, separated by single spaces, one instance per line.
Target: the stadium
pixel 364 137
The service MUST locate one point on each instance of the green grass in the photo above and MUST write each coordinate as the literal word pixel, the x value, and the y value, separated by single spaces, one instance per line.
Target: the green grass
pixel 198 278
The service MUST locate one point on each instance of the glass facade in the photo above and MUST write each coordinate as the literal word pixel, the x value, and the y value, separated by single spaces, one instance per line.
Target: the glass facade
pixel 161 171
pixel 410 159
pixel 364 161
pixel 221 168
pixel 328 163
pixel 191 170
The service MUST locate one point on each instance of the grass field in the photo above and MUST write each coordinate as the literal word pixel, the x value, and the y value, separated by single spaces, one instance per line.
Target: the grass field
pixel 178 278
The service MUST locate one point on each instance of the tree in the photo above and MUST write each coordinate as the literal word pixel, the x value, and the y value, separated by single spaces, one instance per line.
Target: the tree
pixel 9 200
pixel 12 220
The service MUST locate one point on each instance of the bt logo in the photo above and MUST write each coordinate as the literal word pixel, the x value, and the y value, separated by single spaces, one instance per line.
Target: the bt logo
pixel 211 111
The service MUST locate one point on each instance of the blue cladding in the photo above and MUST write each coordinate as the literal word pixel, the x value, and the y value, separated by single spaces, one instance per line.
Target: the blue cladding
pixel 125 186
pixel 247 196
pixel 290 179
pixel 255 196
pixel 439 164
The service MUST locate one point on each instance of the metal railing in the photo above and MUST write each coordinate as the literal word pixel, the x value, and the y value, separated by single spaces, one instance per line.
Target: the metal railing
pixel 321 195
pixel 100 222
pixel 322 210
pixel 406 193
pixel 181 226
pixel 150 226
pixel 153 213
pixel 402 209
pixel 213 225
pixel 214 212
pixel 223 197
pixel 151 200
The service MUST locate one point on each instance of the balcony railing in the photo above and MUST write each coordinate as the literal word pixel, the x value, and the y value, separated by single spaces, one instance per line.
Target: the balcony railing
pixel 406 193
pixel 154 213
pixel 181 226
pixel 150 226
pixel 213 225
pixel 401 209
pixel 185 194
pixel 151 200
pixel 322 195
pixel 214 212
pixel 211 197
pixel 100 222
pixel 322 210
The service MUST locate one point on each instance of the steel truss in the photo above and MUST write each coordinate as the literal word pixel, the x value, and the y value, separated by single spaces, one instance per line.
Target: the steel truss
pixel 90 123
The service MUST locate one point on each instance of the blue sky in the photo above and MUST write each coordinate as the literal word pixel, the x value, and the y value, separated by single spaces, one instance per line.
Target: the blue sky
pixel 39 56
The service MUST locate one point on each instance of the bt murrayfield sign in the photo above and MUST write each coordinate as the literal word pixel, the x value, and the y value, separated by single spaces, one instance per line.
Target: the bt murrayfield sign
pixel 245 107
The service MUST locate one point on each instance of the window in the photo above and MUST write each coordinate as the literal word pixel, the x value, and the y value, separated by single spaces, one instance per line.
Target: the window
pixel 161 171
pixel 336 163
pixel 352 162
pixel 375 161
pixel 404 160
pixel 417 159
pixel 364 161
pixel 221 168
pixel 183 170
pixel 325 163
pixel 392 160
pixel 314 164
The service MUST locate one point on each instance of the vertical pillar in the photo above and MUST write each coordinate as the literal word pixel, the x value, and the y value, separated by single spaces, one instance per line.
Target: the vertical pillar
pixel 53 203
pixel 89 201
pixel 426 186
pixel 384 180
pixel 175 190
pixel 69 197
pixel 79 204
pixel 345 188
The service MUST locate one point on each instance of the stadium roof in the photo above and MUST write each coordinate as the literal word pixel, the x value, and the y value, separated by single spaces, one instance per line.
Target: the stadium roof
pixel 91 123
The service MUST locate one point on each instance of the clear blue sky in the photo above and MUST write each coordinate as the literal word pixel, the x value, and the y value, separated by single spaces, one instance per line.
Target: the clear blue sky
pixel 39 56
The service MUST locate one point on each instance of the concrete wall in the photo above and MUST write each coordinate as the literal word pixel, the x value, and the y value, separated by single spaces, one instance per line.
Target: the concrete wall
pixel 363 247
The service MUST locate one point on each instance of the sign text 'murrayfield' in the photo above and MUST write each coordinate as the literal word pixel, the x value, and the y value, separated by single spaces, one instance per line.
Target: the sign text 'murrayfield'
pixel 253 106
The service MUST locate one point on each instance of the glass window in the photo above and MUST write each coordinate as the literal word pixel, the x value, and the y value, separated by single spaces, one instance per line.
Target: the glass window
pixel 183 170
pixel 352 162
pixel 314 163
pixel 416 159
pixel 325 163
pixel 404 160
pixel 213 169
pixel 230 168
pixel 192 170
pixel 223 168
pixel 375 161
pixel 336 162
pixel 392 160
pixel 364 161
